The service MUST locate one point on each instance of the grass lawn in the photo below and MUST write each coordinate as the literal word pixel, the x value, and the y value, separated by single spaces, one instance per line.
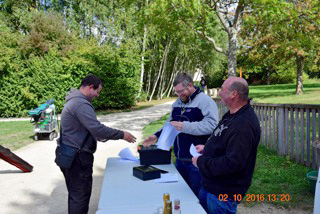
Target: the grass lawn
pixel 14 135
pixel 285 93
pixel 273 175
pixel 277 175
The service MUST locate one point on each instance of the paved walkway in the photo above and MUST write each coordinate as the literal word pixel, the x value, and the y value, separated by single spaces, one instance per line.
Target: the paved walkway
pixel 43 191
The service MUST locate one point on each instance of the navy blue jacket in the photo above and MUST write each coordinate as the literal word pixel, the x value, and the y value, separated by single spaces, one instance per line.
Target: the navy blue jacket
pixel 199 116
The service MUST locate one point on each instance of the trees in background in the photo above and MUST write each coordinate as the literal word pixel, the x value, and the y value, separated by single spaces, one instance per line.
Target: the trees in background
pixel 42 58
pixel 138 46
pixel 281 35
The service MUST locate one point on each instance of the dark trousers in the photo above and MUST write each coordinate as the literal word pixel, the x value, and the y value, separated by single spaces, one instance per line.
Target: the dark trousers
pixel 190 174
pixel 79 183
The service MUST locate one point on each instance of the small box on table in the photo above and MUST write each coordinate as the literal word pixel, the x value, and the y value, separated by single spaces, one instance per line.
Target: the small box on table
pixel 146 172
pixel 153 156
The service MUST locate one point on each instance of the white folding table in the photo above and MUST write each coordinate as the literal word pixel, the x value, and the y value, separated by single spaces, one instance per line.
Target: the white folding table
pixel 123 193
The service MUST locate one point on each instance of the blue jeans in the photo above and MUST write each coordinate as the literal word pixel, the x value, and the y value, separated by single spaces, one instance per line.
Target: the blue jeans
pixel 190 174
pixel 213 205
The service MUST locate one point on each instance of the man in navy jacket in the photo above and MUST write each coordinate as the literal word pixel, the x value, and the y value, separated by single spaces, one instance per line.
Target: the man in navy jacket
pixel 228 158
pixel 195 114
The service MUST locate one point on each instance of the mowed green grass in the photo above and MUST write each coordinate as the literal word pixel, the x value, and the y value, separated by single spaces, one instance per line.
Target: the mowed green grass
pixel 286 93
pixel 279 181
pixel 14 135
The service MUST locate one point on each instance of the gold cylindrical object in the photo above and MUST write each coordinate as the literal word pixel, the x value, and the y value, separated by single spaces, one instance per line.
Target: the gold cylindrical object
pixel 166 196
pixel 168 209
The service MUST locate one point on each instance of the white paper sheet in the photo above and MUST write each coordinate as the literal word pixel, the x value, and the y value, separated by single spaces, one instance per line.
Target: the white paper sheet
pixel 193 151
pixel 167 178
pixel 126 154
pixel 167 136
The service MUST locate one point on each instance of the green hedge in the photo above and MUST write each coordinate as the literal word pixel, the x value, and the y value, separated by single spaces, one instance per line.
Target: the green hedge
pixel 26 83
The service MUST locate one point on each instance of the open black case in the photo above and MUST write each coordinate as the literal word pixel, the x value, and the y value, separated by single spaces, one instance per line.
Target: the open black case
pixel 153 156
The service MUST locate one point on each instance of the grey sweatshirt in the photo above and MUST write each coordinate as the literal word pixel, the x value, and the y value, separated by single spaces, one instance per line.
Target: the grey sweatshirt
pixel 78 119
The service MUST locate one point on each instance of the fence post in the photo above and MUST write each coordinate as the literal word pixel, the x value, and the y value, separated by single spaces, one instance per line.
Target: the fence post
pixel 316 147
pixel 281 131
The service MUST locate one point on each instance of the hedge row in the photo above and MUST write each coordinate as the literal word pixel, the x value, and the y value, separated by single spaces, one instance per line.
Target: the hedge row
pixel 26 83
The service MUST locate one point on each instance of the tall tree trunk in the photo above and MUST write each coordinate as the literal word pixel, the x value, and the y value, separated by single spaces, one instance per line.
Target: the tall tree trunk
pixel 160 71
pixel 142 59
pixel 171 76
pixel 232 52
pixel 142 55
pixel 149 80
pixel 162 77
pixel 152 61
pixel 268 76
pixel 300 65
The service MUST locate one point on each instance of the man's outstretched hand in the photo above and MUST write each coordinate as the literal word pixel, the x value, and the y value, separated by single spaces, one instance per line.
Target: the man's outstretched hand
pixel 129 137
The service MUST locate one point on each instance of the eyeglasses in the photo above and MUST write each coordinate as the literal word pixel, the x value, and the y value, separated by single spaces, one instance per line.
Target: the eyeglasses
pixel 180 91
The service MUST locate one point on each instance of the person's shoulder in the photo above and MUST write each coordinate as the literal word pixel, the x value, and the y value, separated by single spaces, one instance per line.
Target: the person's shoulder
pixel 204 97
pixel 247 117
pixel 176 102
pixel 82 103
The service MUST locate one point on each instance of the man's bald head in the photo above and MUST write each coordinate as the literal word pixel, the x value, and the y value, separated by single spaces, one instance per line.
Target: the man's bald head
pixel 240 85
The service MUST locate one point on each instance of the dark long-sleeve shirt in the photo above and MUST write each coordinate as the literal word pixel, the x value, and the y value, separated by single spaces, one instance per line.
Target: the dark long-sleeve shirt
pixel 229 156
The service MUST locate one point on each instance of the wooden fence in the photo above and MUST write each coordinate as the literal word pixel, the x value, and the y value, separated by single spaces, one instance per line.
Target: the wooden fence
pixel 291 129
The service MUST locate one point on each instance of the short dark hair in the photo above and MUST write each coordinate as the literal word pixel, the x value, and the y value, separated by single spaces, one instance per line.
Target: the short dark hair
pixel 241 88
pixel 91 80
pixel 183 78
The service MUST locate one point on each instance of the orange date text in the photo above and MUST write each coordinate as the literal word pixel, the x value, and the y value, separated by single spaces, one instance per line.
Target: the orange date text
pixel 255 197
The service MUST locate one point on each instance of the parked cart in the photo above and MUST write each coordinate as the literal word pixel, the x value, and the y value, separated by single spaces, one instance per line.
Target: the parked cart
pixel 45 121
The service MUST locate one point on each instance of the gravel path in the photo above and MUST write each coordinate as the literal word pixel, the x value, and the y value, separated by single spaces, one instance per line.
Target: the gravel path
pixel 43 191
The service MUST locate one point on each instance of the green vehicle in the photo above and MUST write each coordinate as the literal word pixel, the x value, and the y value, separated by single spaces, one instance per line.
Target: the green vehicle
pixel 45 121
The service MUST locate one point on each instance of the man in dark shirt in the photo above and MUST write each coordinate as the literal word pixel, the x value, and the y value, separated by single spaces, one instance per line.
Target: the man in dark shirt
pixel 228 158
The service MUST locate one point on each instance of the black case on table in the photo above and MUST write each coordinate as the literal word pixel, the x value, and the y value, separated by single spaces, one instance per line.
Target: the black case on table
pixel 146 172
pixel 153 156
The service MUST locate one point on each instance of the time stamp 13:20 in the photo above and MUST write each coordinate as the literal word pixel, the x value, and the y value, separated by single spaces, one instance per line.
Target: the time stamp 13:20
pixel 256 197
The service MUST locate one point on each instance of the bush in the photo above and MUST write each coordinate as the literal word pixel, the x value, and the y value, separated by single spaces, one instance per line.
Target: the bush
pixel 28 80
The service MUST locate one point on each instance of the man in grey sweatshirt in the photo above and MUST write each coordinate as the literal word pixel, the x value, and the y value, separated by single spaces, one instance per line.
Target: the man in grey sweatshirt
pixel 79 125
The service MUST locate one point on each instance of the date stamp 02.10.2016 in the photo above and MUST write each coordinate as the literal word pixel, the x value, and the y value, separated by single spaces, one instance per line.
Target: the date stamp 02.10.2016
pixel 256 197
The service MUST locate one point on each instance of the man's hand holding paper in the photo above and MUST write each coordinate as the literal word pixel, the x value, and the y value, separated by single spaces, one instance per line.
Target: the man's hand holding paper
pixel 167 137
pixel 177 125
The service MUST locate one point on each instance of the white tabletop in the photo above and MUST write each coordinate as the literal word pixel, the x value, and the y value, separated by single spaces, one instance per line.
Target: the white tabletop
pixel 124 193
pixel 186 208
